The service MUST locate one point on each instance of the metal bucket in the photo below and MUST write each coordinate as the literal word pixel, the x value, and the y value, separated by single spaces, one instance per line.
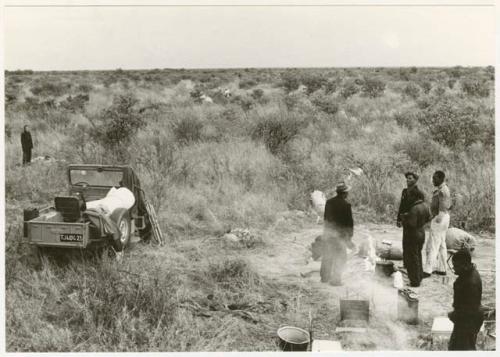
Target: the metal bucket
pixel 408 306
pixel 292 338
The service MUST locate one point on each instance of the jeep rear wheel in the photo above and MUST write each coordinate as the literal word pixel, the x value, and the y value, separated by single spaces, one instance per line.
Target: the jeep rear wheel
pixel 124 229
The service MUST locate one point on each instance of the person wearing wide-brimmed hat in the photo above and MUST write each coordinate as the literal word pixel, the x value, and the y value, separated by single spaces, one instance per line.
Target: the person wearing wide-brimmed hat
pixel 337 235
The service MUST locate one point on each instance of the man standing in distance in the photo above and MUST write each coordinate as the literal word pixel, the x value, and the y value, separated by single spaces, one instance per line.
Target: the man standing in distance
pixel 411 185
pixel 337 234
pixel 27 145
pixel 435 246
pixel 414 235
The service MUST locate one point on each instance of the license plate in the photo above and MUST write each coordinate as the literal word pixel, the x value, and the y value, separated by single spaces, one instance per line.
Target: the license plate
pixel 71 237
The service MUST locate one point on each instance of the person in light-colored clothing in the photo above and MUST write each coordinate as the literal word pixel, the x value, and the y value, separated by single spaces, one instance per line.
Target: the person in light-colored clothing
pixel 435 245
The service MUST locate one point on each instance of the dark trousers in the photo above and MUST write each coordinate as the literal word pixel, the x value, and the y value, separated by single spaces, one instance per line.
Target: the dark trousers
pixel 26 156
pixel 333 261
pixel 464 335
pixel 412 257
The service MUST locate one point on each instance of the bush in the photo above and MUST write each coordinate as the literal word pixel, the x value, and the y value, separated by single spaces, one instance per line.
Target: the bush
pixel 313 82
pixel 426 86
pixel 325 104
pixel 455 124
pixel 276 132
pixel 51 89
pixel 411 90
pixel 422 150
pixel 409 118
pixel 188 129
pixel 247 83
pixel 257 94
pixel 349 89
pixel 476 88
pixel 290 81
pixel 373 87
pixel 119 123
pixel 75 104
pixel 331 86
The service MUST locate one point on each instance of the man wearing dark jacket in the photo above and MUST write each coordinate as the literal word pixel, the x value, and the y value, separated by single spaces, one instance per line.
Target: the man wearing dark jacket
pixel 413 222
pixel 467 315
pixel 404 205
pixel 337 234
pixel 27 145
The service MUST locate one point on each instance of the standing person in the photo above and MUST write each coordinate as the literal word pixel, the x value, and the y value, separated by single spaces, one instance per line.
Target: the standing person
pixel 467 315
pixel 435 246
pixel 411 185
pixel 27 145
pixel 413 222
pixel 337 234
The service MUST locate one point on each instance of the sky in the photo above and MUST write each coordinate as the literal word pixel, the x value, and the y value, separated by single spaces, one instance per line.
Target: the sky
pixel 91 38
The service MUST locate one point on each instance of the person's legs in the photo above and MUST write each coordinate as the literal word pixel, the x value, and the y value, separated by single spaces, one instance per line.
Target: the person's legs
pixel 28 156
pixel 442 251
pixel 431 249
pixel 339 261
pixel 326 261
pixel 25 157
pixel 410 257
pixel 420 270
pixel 463 337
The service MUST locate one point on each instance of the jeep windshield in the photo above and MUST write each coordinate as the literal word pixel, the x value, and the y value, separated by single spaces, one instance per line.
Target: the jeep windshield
pixel 95 177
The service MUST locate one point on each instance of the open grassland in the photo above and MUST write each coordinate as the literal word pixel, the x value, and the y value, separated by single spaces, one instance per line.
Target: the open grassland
pixel 245 160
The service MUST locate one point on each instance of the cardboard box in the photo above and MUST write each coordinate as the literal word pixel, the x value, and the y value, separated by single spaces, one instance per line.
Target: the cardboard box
pixel 325 346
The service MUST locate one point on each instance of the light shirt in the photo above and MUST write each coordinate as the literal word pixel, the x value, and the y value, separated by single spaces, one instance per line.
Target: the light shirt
pixel 441 200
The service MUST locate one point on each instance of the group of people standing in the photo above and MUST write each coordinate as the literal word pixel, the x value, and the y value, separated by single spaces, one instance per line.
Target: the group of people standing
pixel 414 215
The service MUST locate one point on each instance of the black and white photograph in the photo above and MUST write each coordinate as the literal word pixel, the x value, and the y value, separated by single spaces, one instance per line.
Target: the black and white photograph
pixel 249 176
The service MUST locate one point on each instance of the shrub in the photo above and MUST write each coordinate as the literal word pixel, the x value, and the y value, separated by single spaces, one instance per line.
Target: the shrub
pixel 325 104
pixel 313 82
pixel 244 102
pixel 290 81
pixel 373 87
pixel 422 150
pixel 451 83
pixel 453 123
pixel 257 94
pixel 404 74
pixel 408 118
pixel 118 123
pixel 75 104
pixel 439 91
pixel 411 90
pixel 476 88
pixel 348 90
pixel 330 86
pixel 51 89
pixel 188 129
pixel 426 86
pixel 277 131
pixel 247 83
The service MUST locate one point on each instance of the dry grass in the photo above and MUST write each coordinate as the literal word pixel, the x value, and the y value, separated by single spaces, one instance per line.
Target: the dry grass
pixel 205 173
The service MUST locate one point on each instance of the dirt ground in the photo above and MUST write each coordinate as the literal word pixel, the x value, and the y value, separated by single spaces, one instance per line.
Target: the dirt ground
pixel 285 259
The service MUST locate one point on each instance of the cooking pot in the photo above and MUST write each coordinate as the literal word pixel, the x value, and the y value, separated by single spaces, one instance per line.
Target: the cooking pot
pixel 292 338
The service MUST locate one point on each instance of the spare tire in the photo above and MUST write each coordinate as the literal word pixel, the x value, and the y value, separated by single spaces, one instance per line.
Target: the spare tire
pixel 125 231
